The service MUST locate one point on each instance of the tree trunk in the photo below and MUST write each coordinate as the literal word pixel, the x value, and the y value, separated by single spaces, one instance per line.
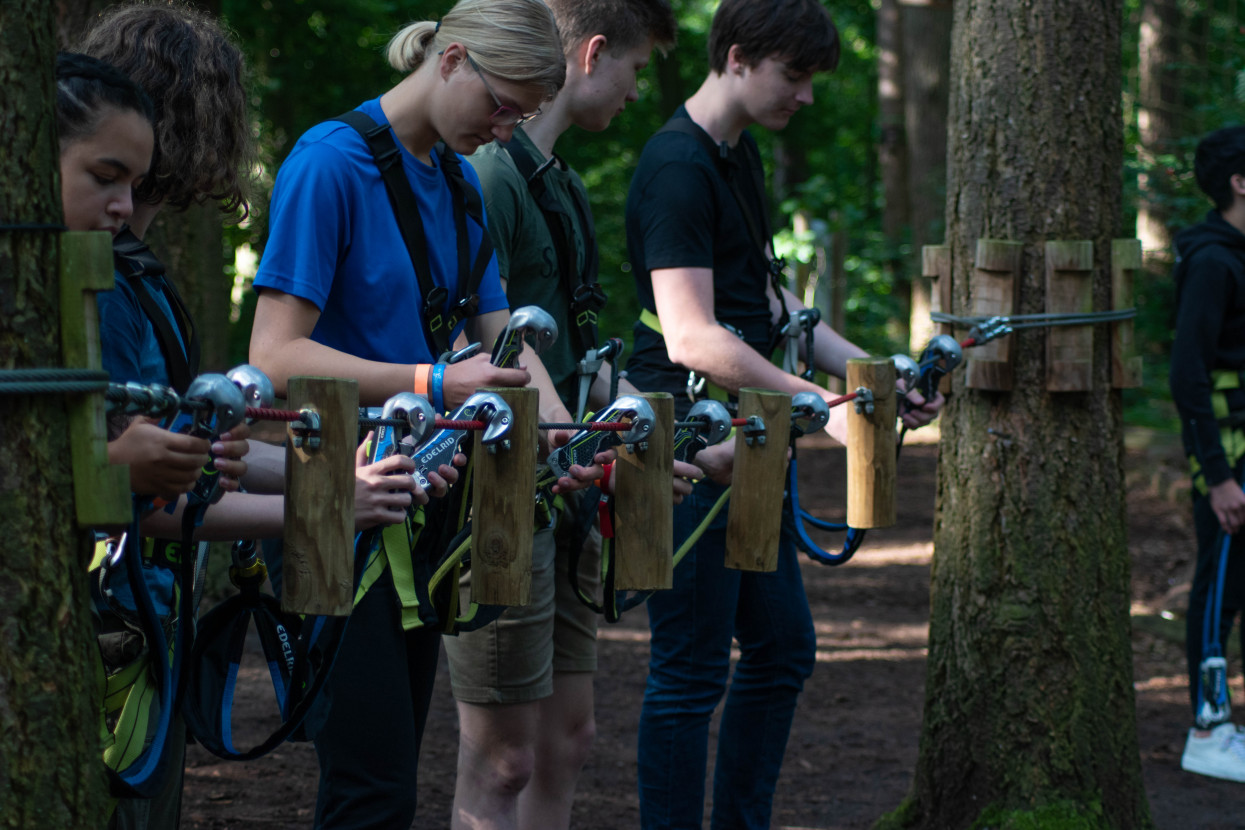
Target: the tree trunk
pixel 50 770
pixel 926 82
pixel 192 247
pixel 1029 713
pixel 892 153
pixel 73 18
pixel 1158 121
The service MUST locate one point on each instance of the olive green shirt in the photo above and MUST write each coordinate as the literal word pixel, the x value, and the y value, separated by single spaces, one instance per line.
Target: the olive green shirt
pixel 526 255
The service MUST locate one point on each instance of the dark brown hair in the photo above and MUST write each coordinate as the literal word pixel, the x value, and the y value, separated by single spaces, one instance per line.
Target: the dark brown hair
pixel 194 73
pixel 625 23
pixel 799 32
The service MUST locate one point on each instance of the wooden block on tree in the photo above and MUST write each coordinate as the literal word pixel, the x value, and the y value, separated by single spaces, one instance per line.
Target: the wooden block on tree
pixel 101 490
pixel 503 508
pixel 644 530
pixel 755 518
pixel 1069 289
pixel 992 292
pixel 871 446
pixel 319 500
pixel 936 264
pixel 1125 362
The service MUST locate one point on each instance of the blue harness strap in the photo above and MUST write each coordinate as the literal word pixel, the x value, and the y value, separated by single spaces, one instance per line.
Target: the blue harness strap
pixel 855 536
pixel 1213 703
pixel 299 654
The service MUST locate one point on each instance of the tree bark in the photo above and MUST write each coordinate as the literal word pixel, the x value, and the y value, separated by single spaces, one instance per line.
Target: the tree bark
pixel 926 83
pixel 192 247
pixel 73 18
pixel 1158 121
pixel 893 153
pixel 50 769
pixel 1029 702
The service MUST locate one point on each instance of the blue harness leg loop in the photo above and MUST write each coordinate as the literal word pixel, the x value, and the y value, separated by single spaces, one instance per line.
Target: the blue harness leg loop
pixel 855 536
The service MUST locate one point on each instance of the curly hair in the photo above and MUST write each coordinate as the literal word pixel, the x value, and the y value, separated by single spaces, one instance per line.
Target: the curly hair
pixel 195 75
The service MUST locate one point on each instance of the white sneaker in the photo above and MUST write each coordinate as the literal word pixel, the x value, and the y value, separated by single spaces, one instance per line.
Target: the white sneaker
pixel 1219 755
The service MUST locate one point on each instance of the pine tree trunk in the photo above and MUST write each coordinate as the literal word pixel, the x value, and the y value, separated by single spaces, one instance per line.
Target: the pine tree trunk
pixel 893 153
pixel 926 82
pixel 192 247
pixel 1158 120
pixel 50 769
pixel 1029 700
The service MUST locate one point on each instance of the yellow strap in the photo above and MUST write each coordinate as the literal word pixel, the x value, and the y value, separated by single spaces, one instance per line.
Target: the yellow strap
pixel 397 543
pixel 1223 379
pixel 712 390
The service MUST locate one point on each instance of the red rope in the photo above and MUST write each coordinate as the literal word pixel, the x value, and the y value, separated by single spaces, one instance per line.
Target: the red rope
pixel 260 413
pixel 838 401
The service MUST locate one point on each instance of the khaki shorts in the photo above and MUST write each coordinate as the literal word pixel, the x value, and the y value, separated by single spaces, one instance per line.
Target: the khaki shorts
pixel 512 660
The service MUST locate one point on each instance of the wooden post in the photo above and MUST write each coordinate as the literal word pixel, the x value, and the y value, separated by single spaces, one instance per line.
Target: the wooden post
pixel 1125 362
pixel 992 291
pixel 936 264
pixel 755 517
pixel 644 530
pixel 871 445
pixel 503 512
pixel 319 499
pixel 101 491
pixel 1069 289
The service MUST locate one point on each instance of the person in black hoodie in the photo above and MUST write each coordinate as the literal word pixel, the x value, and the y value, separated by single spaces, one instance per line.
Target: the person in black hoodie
pixel 1208 385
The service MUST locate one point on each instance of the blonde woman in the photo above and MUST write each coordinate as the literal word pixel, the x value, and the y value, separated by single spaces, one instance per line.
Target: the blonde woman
pixel 348 290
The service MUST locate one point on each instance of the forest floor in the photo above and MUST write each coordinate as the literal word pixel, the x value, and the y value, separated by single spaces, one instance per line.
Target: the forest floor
pixel 853 747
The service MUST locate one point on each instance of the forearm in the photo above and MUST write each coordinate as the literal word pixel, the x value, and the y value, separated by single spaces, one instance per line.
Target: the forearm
pixel 265 468
pixel 235 516
pixel 302 356
pixel 831 350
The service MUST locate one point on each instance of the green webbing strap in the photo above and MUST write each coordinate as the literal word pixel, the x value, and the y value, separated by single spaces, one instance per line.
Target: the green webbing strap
pixel 1231 432
pixel 614 603
pixel 712 390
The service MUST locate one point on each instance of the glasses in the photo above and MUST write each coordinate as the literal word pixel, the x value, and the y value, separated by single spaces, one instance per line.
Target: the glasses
pixel 503 116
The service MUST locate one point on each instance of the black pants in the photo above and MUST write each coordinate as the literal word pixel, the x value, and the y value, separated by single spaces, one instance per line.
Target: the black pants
pixel 381 687
pixel 1201 596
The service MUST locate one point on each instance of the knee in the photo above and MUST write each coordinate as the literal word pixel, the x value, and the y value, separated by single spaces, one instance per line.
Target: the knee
pixel 508 768
pixel 577 743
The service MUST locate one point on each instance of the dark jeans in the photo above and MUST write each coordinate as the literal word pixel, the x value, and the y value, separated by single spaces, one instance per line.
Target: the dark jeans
pixel 689 668
pixel 369 747
pixel 1202 593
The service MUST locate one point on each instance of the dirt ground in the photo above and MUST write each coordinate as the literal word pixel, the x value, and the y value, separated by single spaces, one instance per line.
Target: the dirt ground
pixel 854 743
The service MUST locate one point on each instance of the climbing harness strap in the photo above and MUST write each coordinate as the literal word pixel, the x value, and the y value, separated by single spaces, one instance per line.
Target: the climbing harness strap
pixel 441 313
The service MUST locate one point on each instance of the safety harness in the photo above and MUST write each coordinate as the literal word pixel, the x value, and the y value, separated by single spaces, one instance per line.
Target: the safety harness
pixel 587 295
pixel 442 314
pixel 179 346
pixel 728 167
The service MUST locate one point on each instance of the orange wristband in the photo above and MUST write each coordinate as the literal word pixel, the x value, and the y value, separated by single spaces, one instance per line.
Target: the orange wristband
pixel 423 371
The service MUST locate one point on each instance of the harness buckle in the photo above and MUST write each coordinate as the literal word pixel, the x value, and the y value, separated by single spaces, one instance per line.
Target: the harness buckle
pixel 695 385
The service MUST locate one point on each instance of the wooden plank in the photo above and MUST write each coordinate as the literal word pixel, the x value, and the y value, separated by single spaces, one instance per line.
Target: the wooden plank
pixel 992 292
pixel 1069 289
pixel 644 531
pixel 1126 364
pixel 101 490
pixel 871 446
pixel 755 517
pixel 503 509
pixel 936 264
pixel 319 500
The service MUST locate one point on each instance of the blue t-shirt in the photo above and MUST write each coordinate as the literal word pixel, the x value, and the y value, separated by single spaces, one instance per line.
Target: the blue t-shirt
pixel 128 345
pixel 334 240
